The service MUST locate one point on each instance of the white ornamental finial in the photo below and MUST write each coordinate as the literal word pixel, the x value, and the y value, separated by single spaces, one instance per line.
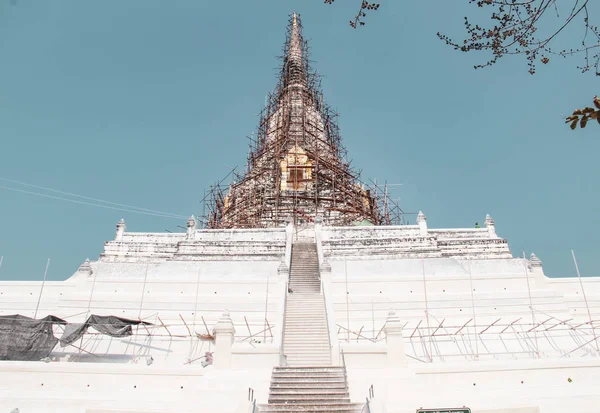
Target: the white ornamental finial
pixel 490 225
pixel 191 227
pixel 534 261
pixel 422 223
pixel 85 268
pixel 121 227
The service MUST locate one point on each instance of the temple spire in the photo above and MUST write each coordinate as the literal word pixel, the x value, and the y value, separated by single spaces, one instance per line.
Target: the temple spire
pixel 296 167
pixel 294 71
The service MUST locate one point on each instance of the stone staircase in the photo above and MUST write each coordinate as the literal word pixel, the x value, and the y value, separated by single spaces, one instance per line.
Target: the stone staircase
pixel 308 383
pixel 304 271
pixel 305 334
pixel 310 389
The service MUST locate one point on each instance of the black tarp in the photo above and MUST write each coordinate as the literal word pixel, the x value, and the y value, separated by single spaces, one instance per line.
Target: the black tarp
pixel 27 339
pixel 110 325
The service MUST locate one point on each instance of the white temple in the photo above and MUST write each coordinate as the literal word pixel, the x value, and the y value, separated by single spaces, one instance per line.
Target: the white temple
pixel 312 318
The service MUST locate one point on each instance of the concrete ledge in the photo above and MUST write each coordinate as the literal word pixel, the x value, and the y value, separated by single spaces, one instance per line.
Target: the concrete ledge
pixel 503 365
pixel 530 409
pixel 98 369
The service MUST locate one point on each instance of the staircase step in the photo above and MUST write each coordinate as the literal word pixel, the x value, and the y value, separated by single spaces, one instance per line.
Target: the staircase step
pixel 314 397
pixel 306 339
pixel 303 336
pixel 299 401
pixel 317 354
pixel 300 345
pixel 305 380
pixel 337 408
pixel 321 340
pixel 304 392
pixel 298 313
pixel 302 381
pixel 304 333
pixel 317 370
pixel 308 377
pixel 312 360
pixel 308 384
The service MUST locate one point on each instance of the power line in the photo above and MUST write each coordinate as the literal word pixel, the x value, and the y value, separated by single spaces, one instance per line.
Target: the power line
pixel 92 199
pixel 163 215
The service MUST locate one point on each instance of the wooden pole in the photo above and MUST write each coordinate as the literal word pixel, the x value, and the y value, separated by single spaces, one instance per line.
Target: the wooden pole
pixel 195 310
pixel 426 309
pixel 347 304
pixel 41 289
pixel 585 299
pixel 533 319
pixel 143 291
pixel 266 308
pixel 373 317
pixel 474 318
pixel 186 326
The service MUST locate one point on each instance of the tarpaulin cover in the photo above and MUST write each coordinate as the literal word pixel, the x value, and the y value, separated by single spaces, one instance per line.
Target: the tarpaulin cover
pixel 26 339
pixel 109 325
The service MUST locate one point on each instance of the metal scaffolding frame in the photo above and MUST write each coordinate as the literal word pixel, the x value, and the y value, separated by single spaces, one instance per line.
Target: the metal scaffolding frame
pixel 297 168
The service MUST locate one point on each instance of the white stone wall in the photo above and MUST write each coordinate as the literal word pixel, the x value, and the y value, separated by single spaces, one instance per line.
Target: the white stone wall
pixel 412 241
pixel 197 245
pixel 525 327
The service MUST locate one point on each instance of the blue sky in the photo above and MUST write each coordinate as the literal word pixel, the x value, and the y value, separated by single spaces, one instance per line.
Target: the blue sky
pixel 148 102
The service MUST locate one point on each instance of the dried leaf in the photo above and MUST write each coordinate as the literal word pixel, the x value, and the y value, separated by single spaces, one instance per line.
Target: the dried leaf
pixel 574 124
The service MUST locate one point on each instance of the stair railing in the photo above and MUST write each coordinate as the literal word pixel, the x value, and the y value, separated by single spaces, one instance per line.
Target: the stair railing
pixel 344 365
pixel 367 407
pixel 282 357
pixel 252 400
pixel 326 316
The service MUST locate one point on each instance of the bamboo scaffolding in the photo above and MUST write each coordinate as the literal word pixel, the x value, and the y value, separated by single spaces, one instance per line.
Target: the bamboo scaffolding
pixel 276 186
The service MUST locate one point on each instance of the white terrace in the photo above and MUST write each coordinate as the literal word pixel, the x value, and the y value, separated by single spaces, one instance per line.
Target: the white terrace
pixel 427 317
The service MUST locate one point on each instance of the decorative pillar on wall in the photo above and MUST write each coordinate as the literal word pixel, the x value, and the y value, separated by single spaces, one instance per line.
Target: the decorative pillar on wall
pixel 394 340
pixel 224 332
pixel 319 238
pixel 491 226
pixel 283 271
pixel 422 223
pixel 325 270
pixel 535 267
pixel 289 236
pixel 121 227
pixel 85 268
pixel 191 227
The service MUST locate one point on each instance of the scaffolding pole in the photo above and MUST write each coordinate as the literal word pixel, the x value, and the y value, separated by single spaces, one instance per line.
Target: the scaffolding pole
pixel 585 299
pixel 42 288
